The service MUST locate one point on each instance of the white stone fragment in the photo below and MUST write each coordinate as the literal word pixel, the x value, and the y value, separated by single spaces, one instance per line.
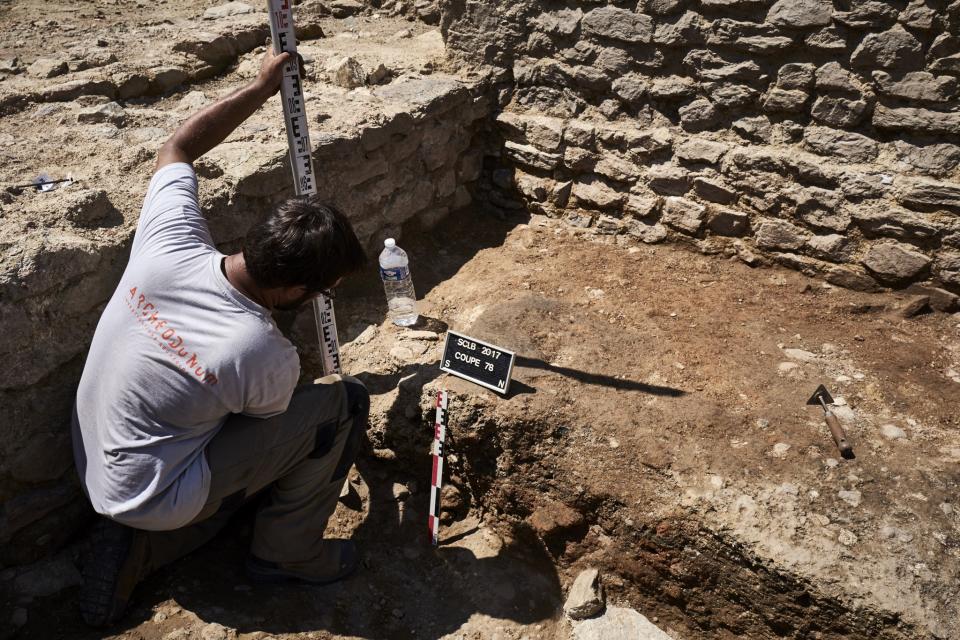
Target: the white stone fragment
pixel 892 432
pixel 850 497
pixel 586 597
pixel 618 623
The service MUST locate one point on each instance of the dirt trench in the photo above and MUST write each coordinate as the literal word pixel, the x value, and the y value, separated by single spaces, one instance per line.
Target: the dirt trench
pixel 675 570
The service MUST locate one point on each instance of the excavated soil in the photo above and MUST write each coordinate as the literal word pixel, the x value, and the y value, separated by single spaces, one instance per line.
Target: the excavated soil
pixel 645 433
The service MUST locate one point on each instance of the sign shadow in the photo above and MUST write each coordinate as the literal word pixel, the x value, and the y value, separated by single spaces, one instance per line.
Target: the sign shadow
pixel 598 378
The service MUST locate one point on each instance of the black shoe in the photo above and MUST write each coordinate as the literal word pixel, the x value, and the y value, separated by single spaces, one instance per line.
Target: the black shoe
pixel 336 560
pixel 113 563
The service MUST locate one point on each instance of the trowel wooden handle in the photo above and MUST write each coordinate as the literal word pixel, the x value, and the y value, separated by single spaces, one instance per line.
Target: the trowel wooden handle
pixel 838 435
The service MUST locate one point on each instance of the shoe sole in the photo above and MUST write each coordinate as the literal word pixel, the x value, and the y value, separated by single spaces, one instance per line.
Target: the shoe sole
pixel 110 572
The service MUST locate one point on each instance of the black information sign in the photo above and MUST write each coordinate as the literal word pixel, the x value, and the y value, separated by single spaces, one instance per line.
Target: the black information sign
pixel 477 361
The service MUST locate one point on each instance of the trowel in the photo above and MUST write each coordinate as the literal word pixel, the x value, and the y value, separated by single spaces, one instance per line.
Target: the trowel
pixel 822 397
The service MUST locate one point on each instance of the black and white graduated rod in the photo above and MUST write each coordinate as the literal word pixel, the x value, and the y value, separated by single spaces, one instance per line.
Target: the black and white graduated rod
pixel 301 162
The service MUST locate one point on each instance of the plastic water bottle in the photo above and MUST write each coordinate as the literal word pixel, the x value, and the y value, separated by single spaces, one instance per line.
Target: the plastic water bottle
pixel 397 284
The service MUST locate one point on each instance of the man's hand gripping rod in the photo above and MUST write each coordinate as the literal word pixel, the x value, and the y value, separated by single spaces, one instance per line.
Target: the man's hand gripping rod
pixel 298 138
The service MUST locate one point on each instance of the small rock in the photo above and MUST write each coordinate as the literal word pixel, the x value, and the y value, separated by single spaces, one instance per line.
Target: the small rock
pixel 851 146
pixel 226 10
pixel 618 24
pixel 192 101
pixel 838 111
pixel 400 492
pixel 347 73
pixel 647 233
pixel 586 597
pixel 378 75
pixel 915 306
pixel 683 214
pixel 110 112
pixel 781 235
pixel 887 49
pixel 714 191
pixel 214 631
pixel 345 8
pixel 10 65
pixel 698 115
pixel 554 521
pixel 47 68
pixel 166 78
pixel 755 128
pixel 795 75
pixel 786 368
pixel 892 432
pixel 631 88
pixel 366 335
pixel 800 354
pixel 847 538
pixel 385 454
pixel 890 533
pixel 850 497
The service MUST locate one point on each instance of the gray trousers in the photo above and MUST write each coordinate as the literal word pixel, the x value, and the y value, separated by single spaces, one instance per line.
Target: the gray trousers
pixel 300 458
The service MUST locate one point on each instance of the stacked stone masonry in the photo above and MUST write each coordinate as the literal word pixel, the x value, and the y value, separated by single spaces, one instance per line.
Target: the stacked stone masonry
pixel 821 135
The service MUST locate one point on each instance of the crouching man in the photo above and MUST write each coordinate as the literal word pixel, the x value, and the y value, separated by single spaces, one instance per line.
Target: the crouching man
pixel 188 404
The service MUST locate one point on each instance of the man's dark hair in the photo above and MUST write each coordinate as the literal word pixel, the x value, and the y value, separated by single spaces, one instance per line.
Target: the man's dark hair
pixel 302 242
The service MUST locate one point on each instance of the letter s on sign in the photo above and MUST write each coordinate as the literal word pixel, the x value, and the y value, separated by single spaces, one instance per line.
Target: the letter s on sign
pixel 446 363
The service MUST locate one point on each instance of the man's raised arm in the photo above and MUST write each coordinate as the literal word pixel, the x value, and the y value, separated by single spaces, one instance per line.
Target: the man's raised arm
pixel 210 126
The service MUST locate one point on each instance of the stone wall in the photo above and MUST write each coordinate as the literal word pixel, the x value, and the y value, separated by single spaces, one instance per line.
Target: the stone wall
pixel 820 135
pixel 398 151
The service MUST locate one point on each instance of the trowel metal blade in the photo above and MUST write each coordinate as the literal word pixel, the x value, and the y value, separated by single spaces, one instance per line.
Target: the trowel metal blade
pixel 821 392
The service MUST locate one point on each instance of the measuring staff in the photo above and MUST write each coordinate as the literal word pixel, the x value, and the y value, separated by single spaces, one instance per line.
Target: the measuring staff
pixel 188 405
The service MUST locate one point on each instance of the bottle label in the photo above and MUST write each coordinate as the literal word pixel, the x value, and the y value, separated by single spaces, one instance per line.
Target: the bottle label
pixel 395 274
